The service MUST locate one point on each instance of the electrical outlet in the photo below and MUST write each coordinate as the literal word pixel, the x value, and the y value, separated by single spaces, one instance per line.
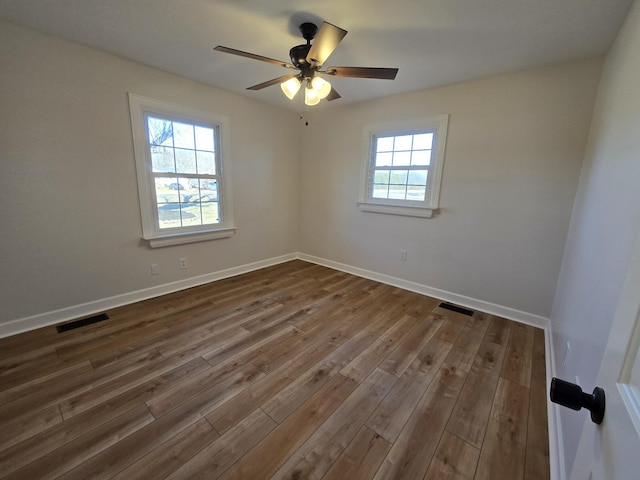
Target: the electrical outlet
pixel 183 263
pixel 403 255
pixel 155 269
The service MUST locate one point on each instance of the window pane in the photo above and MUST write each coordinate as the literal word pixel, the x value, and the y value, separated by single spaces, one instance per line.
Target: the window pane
pixel 169 215
pixel 190 214
pixel 399 177
pixel 185 161
pixel 401 159
pixel 160 131
pixel 418 177
pixel 397 192
pixel 209 187
pixel 162 160
pixel 208 197
pixel 167 190
pixel 403 143
pixel 206 163
pixel 424 141
pixel 381 176
pixel 204 139
pixel 421 157
pixel 383 159
pixel 210 213
pixel 385 144
pixel 183 135
pixel 380 191
pixel 416 193
pixel 191 198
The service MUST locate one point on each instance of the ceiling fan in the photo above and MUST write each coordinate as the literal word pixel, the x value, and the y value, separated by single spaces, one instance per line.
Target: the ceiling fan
pixel 309 60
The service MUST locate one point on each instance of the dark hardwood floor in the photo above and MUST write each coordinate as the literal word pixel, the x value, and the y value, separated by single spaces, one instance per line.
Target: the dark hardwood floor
pixel 294 371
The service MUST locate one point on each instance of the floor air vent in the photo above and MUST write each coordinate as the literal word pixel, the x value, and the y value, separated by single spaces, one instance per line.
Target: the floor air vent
pixel 81 323
pixel 455 308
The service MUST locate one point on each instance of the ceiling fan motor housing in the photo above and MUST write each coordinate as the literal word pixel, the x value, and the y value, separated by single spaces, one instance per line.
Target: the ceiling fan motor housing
pixel 298 55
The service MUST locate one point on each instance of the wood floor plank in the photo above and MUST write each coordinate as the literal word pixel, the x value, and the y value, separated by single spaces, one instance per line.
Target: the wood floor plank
pixel 291 371
pixel 473 406
pixel 498 331
pixel 289 398
pixel 26 427
pixel 172 454
pixel 12 374
pixel 253 340
pixel 266 457
pixel 217 457
pixel 451 327
pixel 317 454
pixel 517 364
pixel 411 454
pixel 538 365
pixel 74 453
pixel 454 459
pixel 53 437
pixel 230 413
pixel 390 417
pixel 407 350
pixel 281 353
pixel 208 389
pixel 537 453
pixel 362 457
pixel 467 344
pixel 503 452
pixel 365 363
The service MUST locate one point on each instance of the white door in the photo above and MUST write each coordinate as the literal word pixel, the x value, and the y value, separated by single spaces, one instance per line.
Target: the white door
pixel 611 451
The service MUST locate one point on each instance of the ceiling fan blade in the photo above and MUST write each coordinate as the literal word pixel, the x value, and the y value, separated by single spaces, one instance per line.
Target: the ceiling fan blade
pixel 325 42
pixel 240 53
pixel 363 72
pixel 333 95
pixel 275 81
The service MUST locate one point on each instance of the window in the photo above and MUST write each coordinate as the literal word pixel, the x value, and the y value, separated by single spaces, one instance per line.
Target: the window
pixel 183 172
pixel 402 170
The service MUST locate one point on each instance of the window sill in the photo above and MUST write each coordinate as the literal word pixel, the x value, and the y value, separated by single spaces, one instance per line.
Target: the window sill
pixel 423 212
pixel 189 237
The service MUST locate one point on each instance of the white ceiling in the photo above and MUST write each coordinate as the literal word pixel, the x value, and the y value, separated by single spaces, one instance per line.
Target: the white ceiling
pixel 432 42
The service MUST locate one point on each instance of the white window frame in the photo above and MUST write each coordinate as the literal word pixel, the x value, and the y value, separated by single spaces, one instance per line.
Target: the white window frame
pixel 140 107
pixel 437 125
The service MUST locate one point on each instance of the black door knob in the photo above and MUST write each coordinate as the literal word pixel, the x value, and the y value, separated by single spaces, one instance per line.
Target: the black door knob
pixel 571 396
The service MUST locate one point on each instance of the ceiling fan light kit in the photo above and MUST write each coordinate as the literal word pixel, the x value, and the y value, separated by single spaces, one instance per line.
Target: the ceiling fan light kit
pixel 311 97
pixel 290 87
pixel 309 59
pixel 321 86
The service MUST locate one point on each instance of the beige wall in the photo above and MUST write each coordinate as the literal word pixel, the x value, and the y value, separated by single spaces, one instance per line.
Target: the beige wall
pixel 69 215
pixel 514 152
pixel 604 225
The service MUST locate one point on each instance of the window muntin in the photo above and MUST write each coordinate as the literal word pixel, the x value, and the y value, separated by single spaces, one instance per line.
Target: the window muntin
pixel 403 168
pixel 183 168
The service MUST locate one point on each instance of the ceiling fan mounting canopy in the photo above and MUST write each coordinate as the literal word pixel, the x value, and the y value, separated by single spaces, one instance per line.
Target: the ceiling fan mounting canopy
pixel 308 31
pixel 309 59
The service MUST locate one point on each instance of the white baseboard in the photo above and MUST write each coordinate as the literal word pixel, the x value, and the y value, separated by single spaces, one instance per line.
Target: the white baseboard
pixel 20 325
pixel 556 442
pixel 468 302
